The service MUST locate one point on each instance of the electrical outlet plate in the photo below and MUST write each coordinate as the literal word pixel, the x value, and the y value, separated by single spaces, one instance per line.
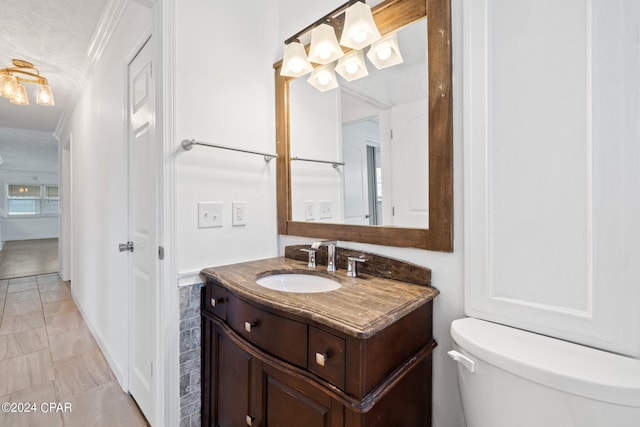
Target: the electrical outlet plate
pixel 308 210
pixel 209 214
pixel 239 212
pixel 325 209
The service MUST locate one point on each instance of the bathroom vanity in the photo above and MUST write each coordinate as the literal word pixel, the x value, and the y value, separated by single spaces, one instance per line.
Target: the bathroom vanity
pixel 359 355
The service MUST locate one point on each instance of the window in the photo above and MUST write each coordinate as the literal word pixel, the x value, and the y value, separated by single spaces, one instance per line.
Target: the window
pixel 29 200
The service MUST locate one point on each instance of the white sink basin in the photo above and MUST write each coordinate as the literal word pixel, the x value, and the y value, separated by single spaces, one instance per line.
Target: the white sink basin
pixel 299 283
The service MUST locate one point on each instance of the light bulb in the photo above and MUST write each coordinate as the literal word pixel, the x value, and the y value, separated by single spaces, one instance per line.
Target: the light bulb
pixel 359 36
pixel 324 79
pixel 295 66
pixel 384 53
pixel 324 51
pixel 351 67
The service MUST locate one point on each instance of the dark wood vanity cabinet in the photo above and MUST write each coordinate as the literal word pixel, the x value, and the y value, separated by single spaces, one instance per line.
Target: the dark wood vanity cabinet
pixel 266 367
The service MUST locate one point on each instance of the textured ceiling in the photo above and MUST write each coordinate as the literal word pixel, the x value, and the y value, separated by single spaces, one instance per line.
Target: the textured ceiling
pixel 56 36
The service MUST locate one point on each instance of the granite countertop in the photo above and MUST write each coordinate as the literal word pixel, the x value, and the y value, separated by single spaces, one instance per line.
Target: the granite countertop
pixel 362 307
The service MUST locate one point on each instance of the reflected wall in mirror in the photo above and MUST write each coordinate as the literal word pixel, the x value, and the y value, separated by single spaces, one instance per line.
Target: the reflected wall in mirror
pixel 378 127
pixel 387 192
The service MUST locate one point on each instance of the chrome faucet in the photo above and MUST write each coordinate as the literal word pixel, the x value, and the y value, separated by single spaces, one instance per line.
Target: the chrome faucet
pixel 331 252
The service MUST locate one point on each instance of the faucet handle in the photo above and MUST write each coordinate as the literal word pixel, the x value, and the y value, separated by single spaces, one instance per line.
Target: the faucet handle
pixel 352 262
pixel 312 257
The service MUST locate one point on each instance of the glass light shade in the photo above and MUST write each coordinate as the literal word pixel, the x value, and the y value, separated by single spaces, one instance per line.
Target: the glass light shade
pixel 44 95
pixel 324 78
pixel 324 45
pixel 20 96
pixel 352 66
pixel 295 62
pixel 360 29
pixel 7 85
pixel 385 52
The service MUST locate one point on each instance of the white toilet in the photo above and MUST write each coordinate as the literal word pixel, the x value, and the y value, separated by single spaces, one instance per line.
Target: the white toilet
pixel 512 378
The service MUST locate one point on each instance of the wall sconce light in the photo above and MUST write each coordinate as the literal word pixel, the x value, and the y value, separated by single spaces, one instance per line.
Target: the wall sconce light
pixel 324 78
pixel 385 52
pixel 12 87
pixel 354 22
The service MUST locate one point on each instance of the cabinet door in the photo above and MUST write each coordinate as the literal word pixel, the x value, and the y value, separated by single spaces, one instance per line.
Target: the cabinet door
pixel 292 403
pixel 551 190
pixel 229 383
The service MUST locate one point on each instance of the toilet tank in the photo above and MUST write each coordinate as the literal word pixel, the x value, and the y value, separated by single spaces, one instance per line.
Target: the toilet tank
pixel 509 377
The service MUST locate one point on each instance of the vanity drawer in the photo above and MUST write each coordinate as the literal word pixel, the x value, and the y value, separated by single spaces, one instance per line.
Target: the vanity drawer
pixel 215 300
pixel 327 356
pixel 282 337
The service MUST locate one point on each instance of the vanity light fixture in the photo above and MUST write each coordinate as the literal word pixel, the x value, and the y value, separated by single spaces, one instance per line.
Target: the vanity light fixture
pixel 352 66
pixel 385 52
pixel 12 87
pixel 324 78
pixel 354 23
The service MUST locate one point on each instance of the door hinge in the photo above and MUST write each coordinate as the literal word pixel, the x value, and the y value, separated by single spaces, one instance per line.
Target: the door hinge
pixel 160 253
pixel 391 133
pixel 151 369
pixel 393 211
pixel 151 70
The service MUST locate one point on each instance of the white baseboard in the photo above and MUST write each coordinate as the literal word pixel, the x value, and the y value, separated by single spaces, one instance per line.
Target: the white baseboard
pixel 116 368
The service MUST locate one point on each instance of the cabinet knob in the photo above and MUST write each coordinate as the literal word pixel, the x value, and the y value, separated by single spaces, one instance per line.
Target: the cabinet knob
pixel 250 420
pixel 249 325
pixel 215 301
pixel 321 358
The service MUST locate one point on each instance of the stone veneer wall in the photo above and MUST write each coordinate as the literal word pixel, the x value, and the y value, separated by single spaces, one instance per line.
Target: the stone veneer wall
pixel 190 376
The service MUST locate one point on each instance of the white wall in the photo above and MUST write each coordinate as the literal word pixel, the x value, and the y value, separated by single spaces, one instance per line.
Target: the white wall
pixel 315 134
pixel 29 157
pixel 27 228
pixel 98 179
pixel 224 94
pixel 447 268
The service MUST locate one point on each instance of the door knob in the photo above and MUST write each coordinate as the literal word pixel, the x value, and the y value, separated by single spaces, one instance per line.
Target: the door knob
pixel 126 247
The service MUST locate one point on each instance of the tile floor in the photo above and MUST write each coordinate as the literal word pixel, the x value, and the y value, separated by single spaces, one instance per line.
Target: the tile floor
pixel 28 258
pixel 49 357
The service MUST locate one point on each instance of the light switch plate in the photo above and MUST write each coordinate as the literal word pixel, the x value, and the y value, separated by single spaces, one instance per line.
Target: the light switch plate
pixel 209 214
pixel 308 210
pixel 325 209
pixel 239 212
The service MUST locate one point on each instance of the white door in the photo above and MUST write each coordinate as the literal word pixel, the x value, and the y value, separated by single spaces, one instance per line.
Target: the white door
pixel 142 231
pixel 409 149
pixel 356 198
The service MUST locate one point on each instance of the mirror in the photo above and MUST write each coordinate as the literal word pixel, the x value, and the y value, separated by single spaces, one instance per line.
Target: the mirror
pixel 315 199
pixel 381 180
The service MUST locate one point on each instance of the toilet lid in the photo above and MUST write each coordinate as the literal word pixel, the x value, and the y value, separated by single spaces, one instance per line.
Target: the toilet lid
pixel 562 365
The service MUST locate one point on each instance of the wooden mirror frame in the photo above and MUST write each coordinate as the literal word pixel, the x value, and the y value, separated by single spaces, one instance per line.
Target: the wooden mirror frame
pixel 390 15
